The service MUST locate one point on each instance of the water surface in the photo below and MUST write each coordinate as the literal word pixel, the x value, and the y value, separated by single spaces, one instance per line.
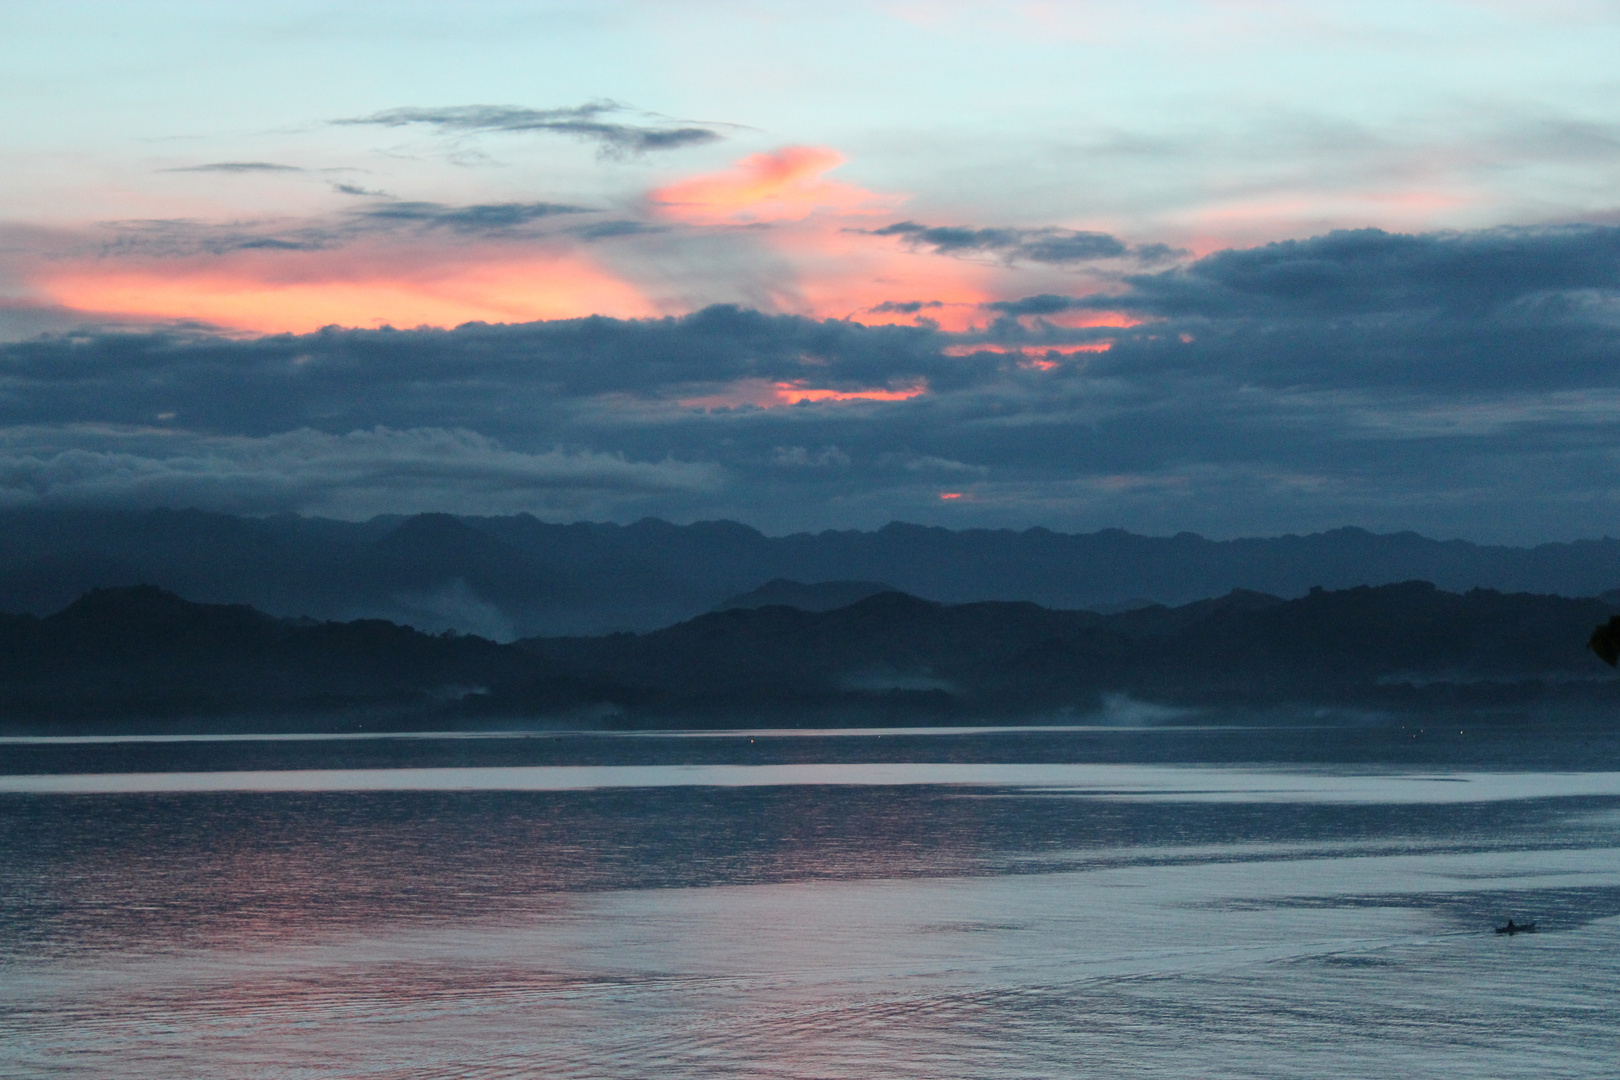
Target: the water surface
pixel 1034 903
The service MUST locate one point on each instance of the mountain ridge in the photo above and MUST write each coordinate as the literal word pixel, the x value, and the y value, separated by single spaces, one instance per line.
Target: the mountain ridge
pixel 811 596
pixel 124 654
pixel 512 577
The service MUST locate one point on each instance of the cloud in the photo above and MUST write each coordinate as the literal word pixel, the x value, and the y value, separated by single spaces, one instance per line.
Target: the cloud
pixel 1043 304
pixel 788 184
pixel 1503 308
pixel 21 319
pixel 943 465
pixel 607 230
pixel 803 457
pixel 340 380
pixel 1045 245
pixel 309 470
pixel 903 307
pixel 179 238
pixel 414 276
pixel 590 121
pixel 1456 383
pixel 1369 272
pixel 237 167
pixel 484 218
pixel 765 232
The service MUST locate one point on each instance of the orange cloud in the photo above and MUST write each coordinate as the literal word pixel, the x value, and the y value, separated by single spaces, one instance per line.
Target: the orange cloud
pixel 763 394
pixel 837 273
pixel 795 392
pixel 817 259
pixel 1077 320
pixel 828 266
pixel 305 291
pixel 784 185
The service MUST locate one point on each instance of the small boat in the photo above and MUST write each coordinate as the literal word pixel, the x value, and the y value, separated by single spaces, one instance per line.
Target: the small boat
pixel 1517 928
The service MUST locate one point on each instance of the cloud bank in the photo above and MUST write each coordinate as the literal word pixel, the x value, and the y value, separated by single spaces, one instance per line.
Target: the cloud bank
pixel 1461 383
pixel 366 471
pixel 774 230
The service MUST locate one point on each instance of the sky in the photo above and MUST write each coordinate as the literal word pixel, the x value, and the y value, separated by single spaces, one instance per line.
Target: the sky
pixel 1234 267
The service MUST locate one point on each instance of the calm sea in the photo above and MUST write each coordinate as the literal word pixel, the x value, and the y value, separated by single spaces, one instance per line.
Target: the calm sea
pixel 1151 901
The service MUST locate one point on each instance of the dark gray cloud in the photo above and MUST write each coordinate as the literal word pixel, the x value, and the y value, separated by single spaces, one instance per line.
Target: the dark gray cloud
pixel 1046 245
pixel 1461 384
pixel 903 307
pixel 601 122
pixel 1043 304
pixel 494 379
pixel 477 218
pixel 1501 308
pixel 182 237
pixel 172 238
pixel 238 167
pixel 1369 272
pixel 377 471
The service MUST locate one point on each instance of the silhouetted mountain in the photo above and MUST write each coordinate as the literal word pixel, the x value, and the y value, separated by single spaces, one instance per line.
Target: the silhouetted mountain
pixel 141 651
pixel 821 596
pixel 285 564
pixel 653 573
pixel 516 576
pixel 781 646
pixel 1394 646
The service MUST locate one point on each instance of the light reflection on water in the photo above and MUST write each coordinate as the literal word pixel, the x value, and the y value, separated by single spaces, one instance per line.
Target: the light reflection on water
pixel 805 930
pixel 1136 782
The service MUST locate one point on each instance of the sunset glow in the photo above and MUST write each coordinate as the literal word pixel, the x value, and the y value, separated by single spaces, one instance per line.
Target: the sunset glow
pixel 782 185
pixel 793 393
pixel 762 394
pixel 263 297
pixel 808 265
pixel 1086 320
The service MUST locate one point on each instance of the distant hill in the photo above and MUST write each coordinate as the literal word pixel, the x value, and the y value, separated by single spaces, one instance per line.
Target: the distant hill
pixel 141 652
pixel 1400 646
pixel 510 577
pixel 820 596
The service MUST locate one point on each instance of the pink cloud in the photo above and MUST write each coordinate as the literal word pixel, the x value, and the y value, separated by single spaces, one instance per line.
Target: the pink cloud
pixel 267 292
pixel 1082 319
pixel 817 258
pixel 783 185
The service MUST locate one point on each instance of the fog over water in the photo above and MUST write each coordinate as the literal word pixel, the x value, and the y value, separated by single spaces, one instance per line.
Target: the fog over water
pixel 1233 901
